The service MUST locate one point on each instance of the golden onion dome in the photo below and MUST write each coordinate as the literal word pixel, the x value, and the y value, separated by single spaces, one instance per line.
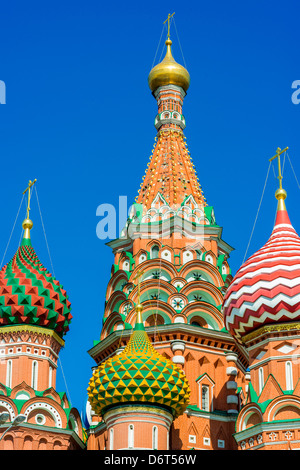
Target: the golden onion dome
pixel 169 72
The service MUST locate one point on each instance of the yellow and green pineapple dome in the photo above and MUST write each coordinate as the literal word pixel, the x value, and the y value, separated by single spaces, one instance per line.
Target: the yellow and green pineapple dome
pixel 141 375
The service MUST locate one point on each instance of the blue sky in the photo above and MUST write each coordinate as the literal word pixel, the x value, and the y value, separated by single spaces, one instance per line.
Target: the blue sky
pixel 79 117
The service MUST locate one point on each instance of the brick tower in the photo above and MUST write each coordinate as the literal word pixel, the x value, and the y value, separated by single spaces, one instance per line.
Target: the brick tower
pixel 172 237
pixel 34 317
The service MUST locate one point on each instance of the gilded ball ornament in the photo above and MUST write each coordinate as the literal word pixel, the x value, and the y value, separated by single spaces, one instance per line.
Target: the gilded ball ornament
pixel 27 223
pixel 281 194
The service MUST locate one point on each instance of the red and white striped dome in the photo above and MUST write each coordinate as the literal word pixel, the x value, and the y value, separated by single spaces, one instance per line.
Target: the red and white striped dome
pixel 266 289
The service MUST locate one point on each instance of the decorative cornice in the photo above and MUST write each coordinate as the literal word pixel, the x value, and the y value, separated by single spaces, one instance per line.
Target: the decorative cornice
pixel 211 416
pixel 166 88
pixel 54 430
pixel 266 427
pixel 141 408
pixel 114 338
pixel 277 327
pixel 32 329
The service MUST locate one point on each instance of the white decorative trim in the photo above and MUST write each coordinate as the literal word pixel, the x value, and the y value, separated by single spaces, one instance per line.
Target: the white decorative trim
pixel 265 427
pixel 9 408
pixel 231 371
pixel 281 404
pixel 231 357
pixel 42 417
pixel 34 375
pixel 231 385
pixel 178 360
pixel 46 407
pixel 210 416
pixel 178 346
pixel 27 354
pixel 251 410
pixel 131 436
pixel 8 373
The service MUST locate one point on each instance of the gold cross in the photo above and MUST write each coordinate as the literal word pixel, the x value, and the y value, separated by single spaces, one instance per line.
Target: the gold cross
pixel 30 184
pixel 138 277
pixel 278 153
pixel 168 20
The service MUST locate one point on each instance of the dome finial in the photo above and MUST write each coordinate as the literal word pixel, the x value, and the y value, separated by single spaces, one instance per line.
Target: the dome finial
pixel 168 72
pixel 168 20
pixel 280 193
pixel 27 223
pixel 139 307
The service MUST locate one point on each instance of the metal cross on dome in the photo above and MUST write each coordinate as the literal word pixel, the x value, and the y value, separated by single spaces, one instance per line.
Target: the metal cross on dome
pixel 278 153
pixel 168 20
pixel 30 184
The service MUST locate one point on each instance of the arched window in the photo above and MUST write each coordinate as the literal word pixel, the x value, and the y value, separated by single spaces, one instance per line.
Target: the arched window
pixel 42 444
pixel 289 375
pixel 111 439
pixel 22 395
pixel 50 376
pixel 130 436
pixel 154 437
pixel 260 379
pixel 154 252
pixel 209 259
pixel 126 265
pixel 27 443
pixel 187 256
pixel 167 255
pixel 205 398
pixel 34 375
pixel 9 373
pixel 142 258
pixel 57 445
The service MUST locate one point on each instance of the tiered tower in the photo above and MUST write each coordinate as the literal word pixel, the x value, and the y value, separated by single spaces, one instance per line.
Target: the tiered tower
pixel 34 317
pixel 172 237
pixel 262 311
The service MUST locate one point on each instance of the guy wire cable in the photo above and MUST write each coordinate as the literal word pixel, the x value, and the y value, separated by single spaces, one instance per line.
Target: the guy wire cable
pixel 257 212
pixel 12 232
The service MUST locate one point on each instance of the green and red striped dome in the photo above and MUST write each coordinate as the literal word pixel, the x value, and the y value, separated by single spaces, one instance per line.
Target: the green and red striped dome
pixel 29 294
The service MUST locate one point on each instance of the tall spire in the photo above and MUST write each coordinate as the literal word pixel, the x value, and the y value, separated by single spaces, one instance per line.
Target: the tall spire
pixel 170 172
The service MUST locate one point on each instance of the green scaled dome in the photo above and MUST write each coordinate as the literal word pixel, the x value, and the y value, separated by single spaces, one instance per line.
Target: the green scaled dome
pixel 141 375
pixel 30 295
